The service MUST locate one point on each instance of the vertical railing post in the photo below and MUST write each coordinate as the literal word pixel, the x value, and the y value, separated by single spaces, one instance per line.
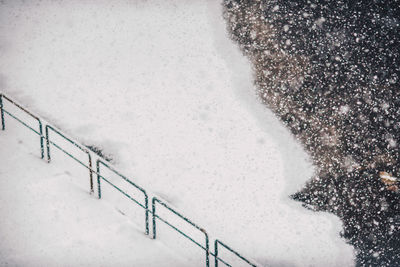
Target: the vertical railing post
pixel 207 249
pixel 90 172
pixel 3 125
pixel 154 217
pixel 146 204
pixel 41 139
pixel 216 253
pixel 98 178
pixel 48 144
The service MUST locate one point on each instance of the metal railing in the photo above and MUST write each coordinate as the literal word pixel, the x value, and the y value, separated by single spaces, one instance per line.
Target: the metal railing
pixel 206 248
pixel 84 150
pixel 100 162
pixel 3 123
pixel 146 198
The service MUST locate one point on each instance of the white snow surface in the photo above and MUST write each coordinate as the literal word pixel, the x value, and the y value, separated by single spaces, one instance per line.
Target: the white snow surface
pixel 159 86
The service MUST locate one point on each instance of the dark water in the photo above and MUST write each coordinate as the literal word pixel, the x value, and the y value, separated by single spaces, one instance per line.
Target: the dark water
pixel 331 71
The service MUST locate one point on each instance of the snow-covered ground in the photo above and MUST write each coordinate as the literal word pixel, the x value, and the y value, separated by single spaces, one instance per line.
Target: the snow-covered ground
pixel 49 219
pixel 159 85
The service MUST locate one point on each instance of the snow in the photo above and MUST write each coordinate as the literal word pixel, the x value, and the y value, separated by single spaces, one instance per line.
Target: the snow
pixel 160 87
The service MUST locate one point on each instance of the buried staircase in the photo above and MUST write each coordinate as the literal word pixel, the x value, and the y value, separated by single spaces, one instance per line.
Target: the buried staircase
pixel 48 136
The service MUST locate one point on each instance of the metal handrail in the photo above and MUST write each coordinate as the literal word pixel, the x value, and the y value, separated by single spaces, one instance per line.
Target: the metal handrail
pixel 3 124
pixel 48 142
pixel 154 201
pixel 146 198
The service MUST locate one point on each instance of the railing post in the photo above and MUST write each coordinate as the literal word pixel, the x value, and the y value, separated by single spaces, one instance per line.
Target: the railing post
pixel 41 139
pixel 98 178
pixel 146 204
pixel 90 172
pixel 207 249
pixel 154 216
pixel 48 144
pixel 3 126
pixel 216 253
